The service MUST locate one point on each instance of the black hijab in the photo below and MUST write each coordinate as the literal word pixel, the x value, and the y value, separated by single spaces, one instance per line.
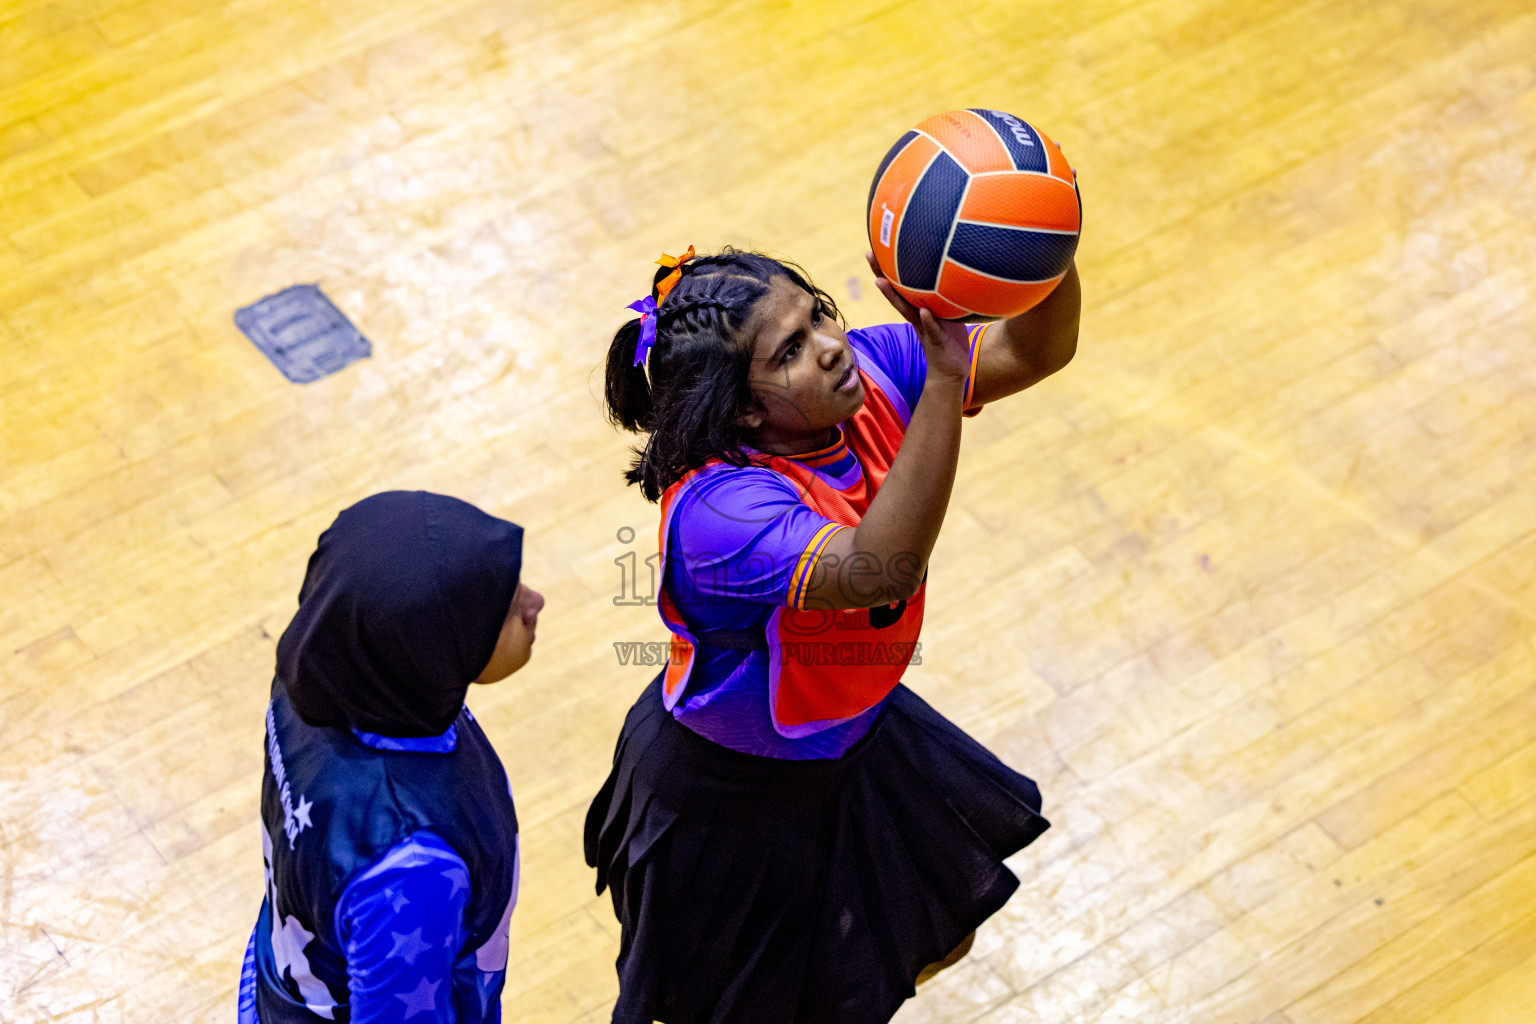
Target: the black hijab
pixel 400 610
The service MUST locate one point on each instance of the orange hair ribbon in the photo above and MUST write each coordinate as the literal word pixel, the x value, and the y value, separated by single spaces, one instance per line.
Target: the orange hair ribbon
pixel 665 285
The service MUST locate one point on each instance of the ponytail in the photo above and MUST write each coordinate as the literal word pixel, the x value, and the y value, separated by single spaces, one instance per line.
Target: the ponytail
pixel 626 389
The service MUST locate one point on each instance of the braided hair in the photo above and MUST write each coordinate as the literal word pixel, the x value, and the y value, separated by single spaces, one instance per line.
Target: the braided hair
pixel 690 395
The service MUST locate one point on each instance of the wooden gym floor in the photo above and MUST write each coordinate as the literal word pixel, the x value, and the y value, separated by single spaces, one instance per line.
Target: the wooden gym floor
pixel 1250 588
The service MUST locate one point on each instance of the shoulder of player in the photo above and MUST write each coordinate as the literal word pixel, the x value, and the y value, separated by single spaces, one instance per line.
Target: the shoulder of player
pixel 722 488
pixel 718 476
pixel 866 338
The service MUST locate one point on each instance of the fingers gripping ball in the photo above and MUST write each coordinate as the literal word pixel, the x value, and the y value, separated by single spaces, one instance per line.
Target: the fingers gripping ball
pixel 974 214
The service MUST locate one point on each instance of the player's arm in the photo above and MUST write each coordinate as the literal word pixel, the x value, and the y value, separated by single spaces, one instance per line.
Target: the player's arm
pixel 1024 350
pixel 884 558
pixel 401 922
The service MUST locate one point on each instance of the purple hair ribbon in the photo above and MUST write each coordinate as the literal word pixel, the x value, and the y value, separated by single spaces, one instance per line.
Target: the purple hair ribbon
pixel 646 307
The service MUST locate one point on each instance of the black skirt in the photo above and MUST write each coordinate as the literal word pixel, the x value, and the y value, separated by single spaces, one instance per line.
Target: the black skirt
pixel 755 890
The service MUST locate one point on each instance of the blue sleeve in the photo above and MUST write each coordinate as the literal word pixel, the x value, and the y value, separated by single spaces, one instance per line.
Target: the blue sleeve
pixel 744 533
pixel 401 923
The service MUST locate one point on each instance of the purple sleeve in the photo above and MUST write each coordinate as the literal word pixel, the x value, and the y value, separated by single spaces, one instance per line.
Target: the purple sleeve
pixel 402 923
pixel 892 355
pixel 743 533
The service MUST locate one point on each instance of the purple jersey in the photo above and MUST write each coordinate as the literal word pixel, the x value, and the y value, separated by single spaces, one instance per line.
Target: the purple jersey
pixel 742 543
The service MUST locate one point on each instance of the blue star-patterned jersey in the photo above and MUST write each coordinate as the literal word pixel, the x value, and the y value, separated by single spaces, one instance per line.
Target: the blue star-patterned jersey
pixel 391 876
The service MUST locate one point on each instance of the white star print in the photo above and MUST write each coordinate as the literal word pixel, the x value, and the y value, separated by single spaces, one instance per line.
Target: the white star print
pixel 289 938
pixel 493 955
pixel 288 941
pixel 396 899
pixel 408 947
pixel 301 813
pixel 421 1000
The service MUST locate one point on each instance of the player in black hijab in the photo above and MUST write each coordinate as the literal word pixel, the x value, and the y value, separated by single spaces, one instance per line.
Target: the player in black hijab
pixel 387 816
pixel 401 607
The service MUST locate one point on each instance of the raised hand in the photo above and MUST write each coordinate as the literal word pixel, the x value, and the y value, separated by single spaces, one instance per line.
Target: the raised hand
pixel 945 342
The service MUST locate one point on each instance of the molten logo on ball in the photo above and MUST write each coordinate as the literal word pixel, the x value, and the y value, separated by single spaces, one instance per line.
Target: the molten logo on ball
pixel 1020 132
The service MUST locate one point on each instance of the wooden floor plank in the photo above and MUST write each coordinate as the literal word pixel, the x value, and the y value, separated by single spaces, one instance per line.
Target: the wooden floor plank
pixel 1502 959
pixel 1445 938
pixel 1248 588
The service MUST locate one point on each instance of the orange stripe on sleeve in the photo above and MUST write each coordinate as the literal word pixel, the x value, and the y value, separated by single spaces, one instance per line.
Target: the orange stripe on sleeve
pixel 800 582
pixel 976 332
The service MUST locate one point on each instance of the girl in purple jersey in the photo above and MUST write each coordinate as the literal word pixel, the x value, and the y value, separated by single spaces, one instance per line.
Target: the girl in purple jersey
pixel 789 835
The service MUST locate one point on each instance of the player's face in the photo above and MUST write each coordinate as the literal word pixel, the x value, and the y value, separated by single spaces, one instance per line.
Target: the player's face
pixel 804 374
pixel 515 644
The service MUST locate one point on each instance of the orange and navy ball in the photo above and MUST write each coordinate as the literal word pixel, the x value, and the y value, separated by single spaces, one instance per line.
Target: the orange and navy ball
pixel 974 214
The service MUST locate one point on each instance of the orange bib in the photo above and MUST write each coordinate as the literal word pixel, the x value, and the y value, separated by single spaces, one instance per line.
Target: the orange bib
pixel 825 666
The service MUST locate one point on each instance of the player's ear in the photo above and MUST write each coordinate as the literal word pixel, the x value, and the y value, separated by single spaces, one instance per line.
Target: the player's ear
pixel 753 416
pixel 751 419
